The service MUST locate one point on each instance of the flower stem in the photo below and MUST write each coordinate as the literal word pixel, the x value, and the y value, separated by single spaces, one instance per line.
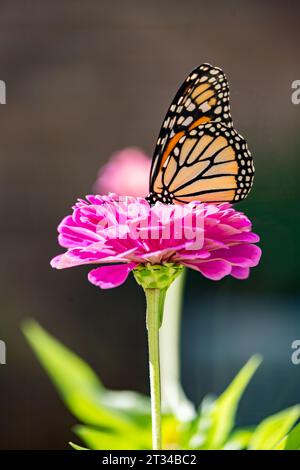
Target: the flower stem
pixel 155 304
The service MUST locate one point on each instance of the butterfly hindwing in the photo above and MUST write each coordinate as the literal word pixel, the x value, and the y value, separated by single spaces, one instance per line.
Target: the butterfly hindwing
pixel 210 163
pixel 202 98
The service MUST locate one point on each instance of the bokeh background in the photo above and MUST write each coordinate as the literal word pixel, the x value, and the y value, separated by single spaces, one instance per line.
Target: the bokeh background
pixel 85 79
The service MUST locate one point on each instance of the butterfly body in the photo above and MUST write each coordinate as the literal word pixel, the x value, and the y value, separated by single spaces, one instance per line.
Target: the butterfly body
pixel 199 156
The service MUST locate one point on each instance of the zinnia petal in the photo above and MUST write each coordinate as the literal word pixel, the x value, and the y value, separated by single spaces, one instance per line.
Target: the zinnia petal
pixel 214 270
pixel 107 277
pixel 240 255
pixel 240 273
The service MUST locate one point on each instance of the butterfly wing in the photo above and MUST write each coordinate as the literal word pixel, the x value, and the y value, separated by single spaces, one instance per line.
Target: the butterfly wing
pixel 202 98
pixel 210 163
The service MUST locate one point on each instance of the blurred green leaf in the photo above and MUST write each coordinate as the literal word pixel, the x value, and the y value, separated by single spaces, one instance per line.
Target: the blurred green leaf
pixel 173 433
pixel 80 388
pixel 100 440
pixel 217 420
pixel 239 440
pixel 77 447
pixel 200 427
pixel 273 429
pixel 97 439
pixel 66 369
pixel 128 402
pixel 293 439
pixel 280 445
pixel 122 420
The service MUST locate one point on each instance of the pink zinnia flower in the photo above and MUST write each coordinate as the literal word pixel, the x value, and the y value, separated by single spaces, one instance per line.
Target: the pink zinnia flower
pixel 126 173
pixel 126 233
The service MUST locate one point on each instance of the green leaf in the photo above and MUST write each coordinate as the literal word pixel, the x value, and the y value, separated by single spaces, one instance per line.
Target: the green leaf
pixel 100 440
pixel 77 447
pixel 128 402
pixel 293 439
pixel 239 440
pixel 80 388
pixel 66 370
pixel 273 429
pixel 217 420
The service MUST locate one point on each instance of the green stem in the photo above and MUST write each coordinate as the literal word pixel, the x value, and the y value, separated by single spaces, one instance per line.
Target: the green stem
pixel 155 304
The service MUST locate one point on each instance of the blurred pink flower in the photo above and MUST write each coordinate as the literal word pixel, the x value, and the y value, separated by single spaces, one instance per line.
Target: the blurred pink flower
pixel 126 173
pixel 128 232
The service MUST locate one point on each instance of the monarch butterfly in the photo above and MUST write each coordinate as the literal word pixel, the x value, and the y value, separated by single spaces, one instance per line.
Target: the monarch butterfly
pixel 199 155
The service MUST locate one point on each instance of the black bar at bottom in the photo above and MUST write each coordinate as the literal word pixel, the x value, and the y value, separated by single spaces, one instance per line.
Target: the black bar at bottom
pixel 133 459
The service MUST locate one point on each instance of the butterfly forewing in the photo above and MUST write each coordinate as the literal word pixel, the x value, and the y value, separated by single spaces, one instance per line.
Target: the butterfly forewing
pixel 202 98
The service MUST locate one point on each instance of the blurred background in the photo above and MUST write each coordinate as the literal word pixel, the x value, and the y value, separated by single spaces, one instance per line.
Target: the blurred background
pixel 85 79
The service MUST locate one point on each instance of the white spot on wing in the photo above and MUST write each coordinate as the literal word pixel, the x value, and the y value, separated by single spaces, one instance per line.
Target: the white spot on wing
pixel 188 121
pixel 191 107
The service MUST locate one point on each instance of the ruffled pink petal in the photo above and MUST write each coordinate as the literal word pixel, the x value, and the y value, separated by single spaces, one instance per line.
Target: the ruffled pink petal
pixel 66 260
pixel 214 270
pixel 111 276
pixel 240 255
pixel 55 261
pixel 247 237
pixel 240 273
pixel 72 234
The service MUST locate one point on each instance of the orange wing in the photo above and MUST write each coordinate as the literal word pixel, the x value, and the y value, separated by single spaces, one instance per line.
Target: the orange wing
pixel 210 163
